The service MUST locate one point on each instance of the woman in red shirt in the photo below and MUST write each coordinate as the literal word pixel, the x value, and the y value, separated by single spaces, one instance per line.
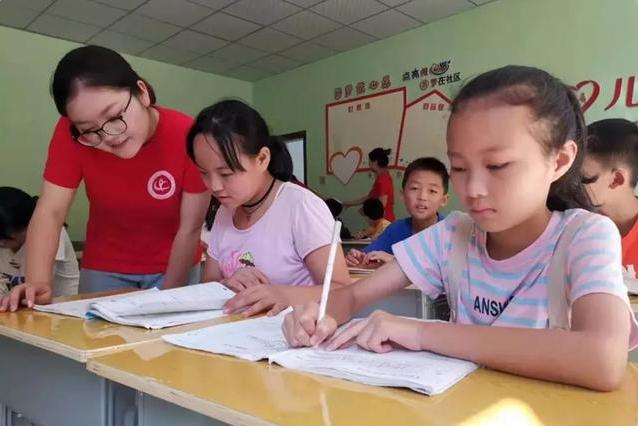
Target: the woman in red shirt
pixel 383 187
pixel 147 201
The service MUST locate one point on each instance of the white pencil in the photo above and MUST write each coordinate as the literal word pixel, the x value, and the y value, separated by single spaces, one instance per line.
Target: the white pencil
pixel 327 278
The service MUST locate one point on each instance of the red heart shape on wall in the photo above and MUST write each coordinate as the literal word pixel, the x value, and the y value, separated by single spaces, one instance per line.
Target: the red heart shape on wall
pixel 587 92
pixel 344 165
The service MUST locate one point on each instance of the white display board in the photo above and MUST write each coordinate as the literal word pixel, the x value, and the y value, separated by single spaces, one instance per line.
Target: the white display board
pixel 411 130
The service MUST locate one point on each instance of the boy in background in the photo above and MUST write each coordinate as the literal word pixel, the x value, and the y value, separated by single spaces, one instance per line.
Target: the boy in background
pixel 610 171
pixel 373 210
pixel 424 190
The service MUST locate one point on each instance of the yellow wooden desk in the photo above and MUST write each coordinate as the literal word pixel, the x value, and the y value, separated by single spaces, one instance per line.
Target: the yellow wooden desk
pixel 42 365
pixel 186 387
pixel 79 339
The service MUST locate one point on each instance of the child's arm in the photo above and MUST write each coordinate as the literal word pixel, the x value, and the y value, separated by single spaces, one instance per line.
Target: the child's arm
pixel 242 279
pixel 316 263
pixel 191 216
pixel 354 257
pixel 211 271
pixel 346 302
pixel 365 233
pixel 275 298
pixel 377 258
pixel 592 354
pixel 301 327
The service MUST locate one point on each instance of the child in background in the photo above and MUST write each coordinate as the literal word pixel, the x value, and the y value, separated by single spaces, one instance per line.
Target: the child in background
pixel 16 209
pixel 424 191
pixel 270 238
pixel 383 186
pixel 533 279
pixel 610 172
pixel 336 208
pixel 373 210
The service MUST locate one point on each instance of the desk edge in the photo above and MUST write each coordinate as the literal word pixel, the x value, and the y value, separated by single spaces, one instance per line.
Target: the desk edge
pixel 175 396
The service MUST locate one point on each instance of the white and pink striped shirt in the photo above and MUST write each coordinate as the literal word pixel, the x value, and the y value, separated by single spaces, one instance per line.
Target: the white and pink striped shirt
pixel 513 292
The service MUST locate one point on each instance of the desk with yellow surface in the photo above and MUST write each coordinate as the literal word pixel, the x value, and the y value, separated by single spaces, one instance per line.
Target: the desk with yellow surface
pixel 42 365
pixel 187 388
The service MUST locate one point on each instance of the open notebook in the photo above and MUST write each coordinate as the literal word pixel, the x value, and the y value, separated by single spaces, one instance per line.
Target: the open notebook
pixel 152 308
pixel 262 338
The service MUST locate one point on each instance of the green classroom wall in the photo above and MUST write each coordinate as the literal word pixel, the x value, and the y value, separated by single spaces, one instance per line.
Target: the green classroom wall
pixel 28 115
pixel 577 40
pixel 574 39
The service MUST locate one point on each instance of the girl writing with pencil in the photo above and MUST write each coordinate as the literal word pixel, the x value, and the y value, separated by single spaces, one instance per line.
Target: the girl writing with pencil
pixel 270 239
pixel 532 276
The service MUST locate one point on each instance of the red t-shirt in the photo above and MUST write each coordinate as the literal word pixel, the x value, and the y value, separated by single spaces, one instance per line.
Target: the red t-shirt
pixel 630 247
pixel 134 204
pixel 383 186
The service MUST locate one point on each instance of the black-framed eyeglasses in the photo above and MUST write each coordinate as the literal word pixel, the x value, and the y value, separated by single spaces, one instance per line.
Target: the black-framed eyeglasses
pixel 112 127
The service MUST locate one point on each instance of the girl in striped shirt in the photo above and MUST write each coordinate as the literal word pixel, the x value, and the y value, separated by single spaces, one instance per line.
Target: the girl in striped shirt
pixel 533 278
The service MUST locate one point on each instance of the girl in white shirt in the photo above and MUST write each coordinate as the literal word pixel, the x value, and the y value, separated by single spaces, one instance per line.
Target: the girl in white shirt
pixel 16 209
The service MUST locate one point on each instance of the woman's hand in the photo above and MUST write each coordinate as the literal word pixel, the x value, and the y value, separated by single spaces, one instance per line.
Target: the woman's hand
pixel 26 294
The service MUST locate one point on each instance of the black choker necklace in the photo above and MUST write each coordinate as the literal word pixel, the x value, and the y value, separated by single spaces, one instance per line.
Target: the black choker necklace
pixel 249 206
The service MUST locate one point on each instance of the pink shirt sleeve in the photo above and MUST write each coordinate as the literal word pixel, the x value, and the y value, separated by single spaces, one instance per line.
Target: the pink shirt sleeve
pixel 594 265
pixel 297 224
pixel 312 224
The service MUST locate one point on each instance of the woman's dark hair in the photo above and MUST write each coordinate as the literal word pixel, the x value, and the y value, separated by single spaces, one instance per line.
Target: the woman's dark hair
pixel 213 206
pixel 380 155
pixel 16 209
pixel 554 106
pixel 236 127
pixel 427 164
pixel 614 141
pixel 373 208
pixel 93 66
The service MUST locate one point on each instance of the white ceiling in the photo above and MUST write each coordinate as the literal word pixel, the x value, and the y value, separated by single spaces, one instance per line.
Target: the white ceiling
pixel 244 39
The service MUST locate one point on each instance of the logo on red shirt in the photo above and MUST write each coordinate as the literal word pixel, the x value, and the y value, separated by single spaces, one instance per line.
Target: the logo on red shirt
pixel 161 185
